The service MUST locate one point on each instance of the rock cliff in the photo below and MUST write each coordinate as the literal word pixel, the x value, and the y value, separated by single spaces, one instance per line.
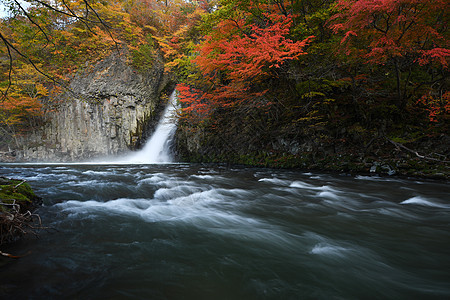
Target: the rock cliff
pixel 312 150
pixel 109 109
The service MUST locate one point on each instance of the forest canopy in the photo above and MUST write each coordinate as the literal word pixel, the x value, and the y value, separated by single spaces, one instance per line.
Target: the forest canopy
pixel 335 69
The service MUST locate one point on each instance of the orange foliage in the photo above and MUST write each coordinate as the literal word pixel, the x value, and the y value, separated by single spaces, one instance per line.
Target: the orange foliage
pixel 55 45
pixel 437 107
pixel 252 55
pixel 394 28
pixel 195 102
pixel 14 111
pixel 238 56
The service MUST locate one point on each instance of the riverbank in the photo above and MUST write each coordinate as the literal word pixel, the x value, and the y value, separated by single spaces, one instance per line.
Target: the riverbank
pixel 17 204
pixel 383 157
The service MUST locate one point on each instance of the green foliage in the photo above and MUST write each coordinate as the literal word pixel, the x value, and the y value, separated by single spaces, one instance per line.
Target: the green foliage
pixel 320 85
pixel 143 56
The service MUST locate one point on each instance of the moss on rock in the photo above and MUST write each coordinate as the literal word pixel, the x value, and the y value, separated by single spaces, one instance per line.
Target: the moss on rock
pixel 17 203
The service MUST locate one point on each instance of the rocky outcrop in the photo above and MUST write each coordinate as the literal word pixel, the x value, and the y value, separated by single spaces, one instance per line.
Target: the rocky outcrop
pixel 379 155
pixel 107 111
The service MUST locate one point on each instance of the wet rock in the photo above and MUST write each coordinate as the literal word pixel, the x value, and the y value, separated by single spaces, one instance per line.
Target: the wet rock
pixel 109 111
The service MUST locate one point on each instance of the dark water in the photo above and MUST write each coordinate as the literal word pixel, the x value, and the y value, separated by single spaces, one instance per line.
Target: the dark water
pixel 205 232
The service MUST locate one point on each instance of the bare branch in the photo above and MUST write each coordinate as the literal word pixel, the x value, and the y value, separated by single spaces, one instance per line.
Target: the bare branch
pixel 14 223
pixel 81 19
pixel 398 145
pixel 10 67
pixel 22 182
pixel 104 25
pixel 11 46
pixel 63 12
pixel 32 21
pixel 67 11
pixel 8 255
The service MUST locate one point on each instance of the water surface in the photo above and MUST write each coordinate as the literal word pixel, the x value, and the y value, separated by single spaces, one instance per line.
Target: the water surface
pixel 180 231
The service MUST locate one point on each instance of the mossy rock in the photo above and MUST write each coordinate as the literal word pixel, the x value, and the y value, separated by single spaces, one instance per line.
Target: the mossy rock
pixel 14 191
pixel 17 203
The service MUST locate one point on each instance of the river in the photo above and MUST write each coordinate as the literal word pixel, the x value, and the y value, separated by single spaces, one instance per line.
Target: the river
pixel 186 231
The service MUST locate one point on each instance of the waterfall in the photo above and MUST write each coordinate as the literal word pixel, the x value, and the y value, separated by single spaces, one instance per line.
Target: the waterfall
pixel 156 150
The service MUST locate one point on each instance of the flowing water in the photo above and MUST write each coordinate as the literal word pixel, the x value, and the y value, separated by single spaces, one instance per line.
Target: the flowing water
pixel 157 149
pixel 183 231
pixel 136 230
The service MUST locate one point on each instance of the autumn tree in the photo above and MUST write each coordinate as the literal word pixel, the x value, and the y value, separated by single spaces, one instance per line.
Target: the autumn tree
pixel 44 45
pixel 21 109
pixel 407 38
pixel 246 45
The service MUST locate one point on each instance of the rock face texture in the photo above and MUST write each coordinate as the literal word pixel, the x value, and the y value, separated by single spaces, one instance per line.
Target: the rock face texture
pixel 109 110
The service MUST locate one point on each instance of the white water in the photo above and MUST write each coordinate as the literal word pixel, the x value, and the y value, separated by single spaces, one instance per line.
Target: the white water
pixel 156 150
pixel 182 231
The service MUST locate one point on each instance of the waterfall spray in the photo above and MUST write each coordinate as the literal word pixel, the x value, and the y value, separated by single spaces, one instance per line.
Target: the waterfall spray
pixel 156 150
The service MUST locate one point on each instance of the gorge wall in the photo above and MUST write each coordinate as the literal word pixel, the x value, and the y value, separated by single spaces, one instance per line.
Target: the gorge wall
pixel 109 110
pixel 242 142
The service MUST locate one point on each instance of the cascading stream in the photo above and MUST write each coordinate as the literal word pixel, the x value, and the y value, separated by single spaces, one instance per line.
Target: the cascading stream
pixel 156 150
pixel 198 231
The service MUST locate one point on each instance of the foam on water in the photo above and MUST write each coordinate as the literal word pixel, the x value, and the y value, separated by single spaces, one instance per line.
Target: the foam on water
pixel 327 249
pixel 397 213
pixel 304 185
pixel 329 195
pixel 301 185
pixel 192 229
pixel 276 181
pixel 46 176
pixel 153 179
pixel 418 200
pixel 97 173
pixel 297 184
pixel 122 206
pixel 193 206
pixel 207 177
pixel 193 210
pixel 176 191
pixel 376 178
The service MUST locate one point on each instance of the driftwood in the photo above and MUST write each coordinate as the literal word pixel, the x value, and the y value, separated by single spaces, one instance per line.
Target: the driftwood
pixel 16 216
pixel 401 146
pixel 13 256
pixel 14 223
pixel 23 181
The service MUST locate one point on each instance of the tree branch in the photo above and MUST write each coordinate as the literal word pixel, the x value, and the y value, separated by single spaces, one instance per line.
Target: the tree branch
pixel 81 19
pixel 9 45
pixel 5 93
pixel 104 25
pixel 32 21
pixel 63 12
pixel 66 11
pixel 398 146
